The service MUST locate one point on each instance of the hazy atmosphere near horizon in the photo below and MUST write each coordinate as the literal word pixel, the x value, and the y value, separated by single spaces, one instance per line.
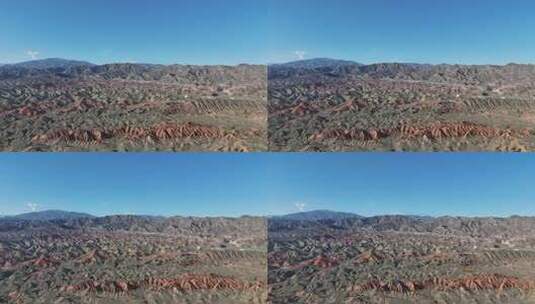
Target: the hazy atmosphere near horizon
pixel 269 184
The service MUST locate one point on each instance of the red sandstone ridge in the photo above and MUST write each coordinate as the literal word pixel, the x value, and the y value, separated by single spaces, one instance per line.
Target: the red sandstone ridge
pixel 469 283
pixel 368 257
pixel 160 132
pixel 42 262
pixel 350 105
pixel 302 109
pixel 187 282
pixel 446 130
pixel 433 132
pixel 190 282
pixel 349 134
pixel 323 262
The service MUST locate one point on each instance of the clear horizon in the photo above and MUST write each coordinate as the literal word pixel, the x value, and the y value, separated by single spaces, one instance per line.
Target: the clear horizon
pixel 211 32
pixel 271 215
pixel 213 184
pixel 271 63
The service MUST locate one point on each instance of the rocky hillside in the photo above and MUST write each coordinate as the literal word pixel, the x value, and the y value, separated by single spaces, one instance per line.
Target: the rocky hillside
pixel 138 223
pixel 402 259
pixel 60 105
pixel 48 215
pixel 133 259
pixel 316 215
pixel 448 73
pixel 402 107
pixel 468 226
pixel 63 69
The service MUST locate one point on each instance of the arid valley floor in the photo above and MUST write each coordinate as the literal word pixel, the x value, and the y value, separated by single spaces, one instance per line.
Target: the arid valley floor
pixel 335 105
pixel 311 105
pixel 312 257
pixel 62 105
pixel 133 259
pixel 401 259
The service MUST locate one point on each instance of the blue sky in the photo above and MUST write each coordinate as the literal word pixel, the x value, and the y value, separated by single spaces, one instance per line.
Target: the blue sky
pixel 234 184
pixel 424 31
pixel 156 31
pixel 237 31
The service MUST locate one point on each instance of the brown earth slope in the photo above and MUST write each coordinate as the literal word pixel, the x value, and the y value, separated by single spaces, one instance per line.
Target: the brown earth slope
pixel 133 259
pixel 402 259
pixel 405 107
pixel 124 107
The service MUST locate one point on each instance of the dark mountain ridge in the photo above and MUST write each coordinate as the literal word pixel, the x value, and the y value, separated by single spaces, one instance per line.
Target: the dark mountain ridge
pixel 59 63
pixel 64 69
pixel 319 219
pixel 445 225
pixel 132 223
pixel 440 73
pixel 50 63
pixel 48 215
pixel 316 63
pixel 316 215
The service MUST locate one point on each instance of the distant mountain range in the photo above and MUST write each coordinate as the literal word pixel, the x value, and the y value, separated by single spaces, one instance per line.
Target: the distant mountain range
pixel 181 225
pixel 51 63
pixel 444 225
pixel 57 70
pixel 60 63
pixel 313 215
pixel 318 219
pixel 316 215
pixel 49 215
pixel 317 63
pixel 440 73
pixel 314 63
pixel 53 215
